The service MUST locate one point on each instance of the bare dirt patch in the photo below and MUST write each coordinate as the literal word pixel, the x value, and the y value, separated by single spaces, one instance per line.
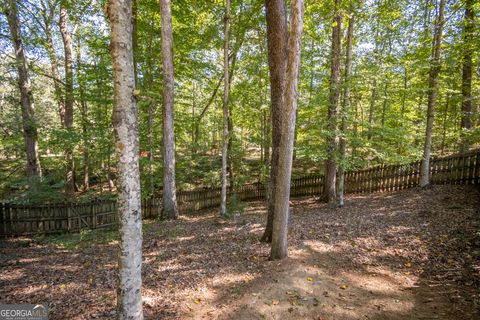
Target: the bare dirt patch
pixel 411 254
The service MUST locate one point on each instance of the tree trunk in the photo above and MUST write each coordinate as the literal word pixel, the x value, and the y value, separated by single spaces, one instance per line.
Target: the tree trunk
pixel 170 208
pixel 385 103
pixel 277 36
pixel 231 176
pixel 371 110
pixel 230 157
pixel 334 98
pixel 285 151
pixel 432 95
pixel 135 39
pixel 47 20
pixel 445 116
pixel 223 200
pixel 467 66
pixel 266 133
pixel 85 124
pixel 125 123
pixel 345 110
pixel 68 121
pixel 26 97
pixel 193 147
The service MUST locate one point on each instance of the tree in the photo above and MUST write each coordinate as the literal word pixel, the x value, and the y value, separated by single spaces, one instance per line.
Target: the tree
pixel 170 209
pixel 345 109
pixel 226 88
pixel 285 154
pixel 467 66
pixel 48 12
pixel 84 117
pixel 277 36
pixel 69 98
pixel 125 123
pixel 333 101
pixel 26 96
pixel 432 95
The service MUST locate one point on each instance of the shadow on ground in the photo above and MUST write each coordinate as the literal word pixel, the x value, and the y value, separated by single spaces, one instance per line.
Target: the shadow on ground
pixel 410 254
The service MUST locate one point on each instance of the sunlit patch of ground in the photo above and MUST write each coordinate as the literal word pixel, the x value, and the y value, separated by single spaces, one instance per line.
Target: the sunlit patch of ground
pixel 411 254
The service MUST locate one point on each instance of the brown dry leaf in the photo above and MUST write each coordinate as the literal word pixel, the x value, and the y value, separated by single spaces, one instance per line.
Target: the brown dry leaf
pixel 344 286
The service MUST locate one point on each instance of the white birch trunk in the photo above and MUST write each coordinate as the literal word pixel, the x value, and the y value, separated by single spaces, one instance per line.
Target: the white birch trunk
pixel 125 123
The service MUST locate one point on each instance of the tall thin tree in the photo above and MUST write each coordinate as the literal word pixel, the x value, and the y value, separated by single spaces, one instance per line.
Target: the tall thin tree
pixel 125 123
pixel 169 190
pixel 467 67
pixel 26 96
pixel 69 98
pixel 226 88
pixel 345 109
pixel 333 102
pixel 84 114
pixel 432 94
pixel 277 36
pixel 48 14
pixel 279 249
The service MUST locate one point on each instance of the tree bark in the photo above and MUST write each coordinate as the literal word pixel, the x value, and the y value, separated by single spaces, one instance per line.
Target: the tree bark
pixel 277 37
pixel 85 124
pixel 279 249
pixel 125 123
pixel 48 15
pixel 226 88
pixel 371 110
pixel 385 102
pixel 170 208
pixel 467 66
pixel 135 38
pixel 345 110
pixel 445 117
pixel 151 156
pixel 432 95
pixel 26 97
pixel 334 98
pixel 68 120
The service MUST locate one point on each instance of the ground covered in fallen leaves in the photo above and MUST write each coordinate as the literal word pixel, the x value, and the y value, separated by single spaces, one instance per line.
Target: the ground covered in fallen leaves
pixel 411 254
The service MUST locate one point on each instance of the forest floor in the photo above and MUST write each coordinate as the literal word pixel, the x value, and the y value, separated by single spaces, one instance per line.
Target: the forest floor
pixel 412 254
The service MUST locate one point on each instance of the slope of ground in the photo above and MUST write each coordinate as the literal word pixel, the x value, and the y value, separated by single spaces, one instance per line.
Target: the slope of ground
pixel 411 254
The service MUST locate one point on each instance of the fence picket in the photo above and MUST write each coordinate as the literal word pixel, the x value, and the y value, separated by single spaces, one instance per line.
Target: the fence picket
pixel 58 218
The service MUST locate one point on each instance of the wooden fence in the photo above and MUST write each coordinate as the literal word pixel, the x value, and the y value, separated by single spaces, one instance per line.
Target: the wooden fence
pixel 59 218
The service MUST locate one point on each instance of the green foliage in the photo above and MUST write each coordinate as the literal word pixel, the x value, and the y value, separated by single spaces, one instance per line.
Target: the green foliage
pixel 391 60
pixel 38 191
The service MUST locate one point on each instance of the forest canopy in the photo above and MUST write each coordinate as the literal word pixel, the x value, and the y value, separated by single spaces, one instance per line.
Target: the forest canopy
pixel 67 46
